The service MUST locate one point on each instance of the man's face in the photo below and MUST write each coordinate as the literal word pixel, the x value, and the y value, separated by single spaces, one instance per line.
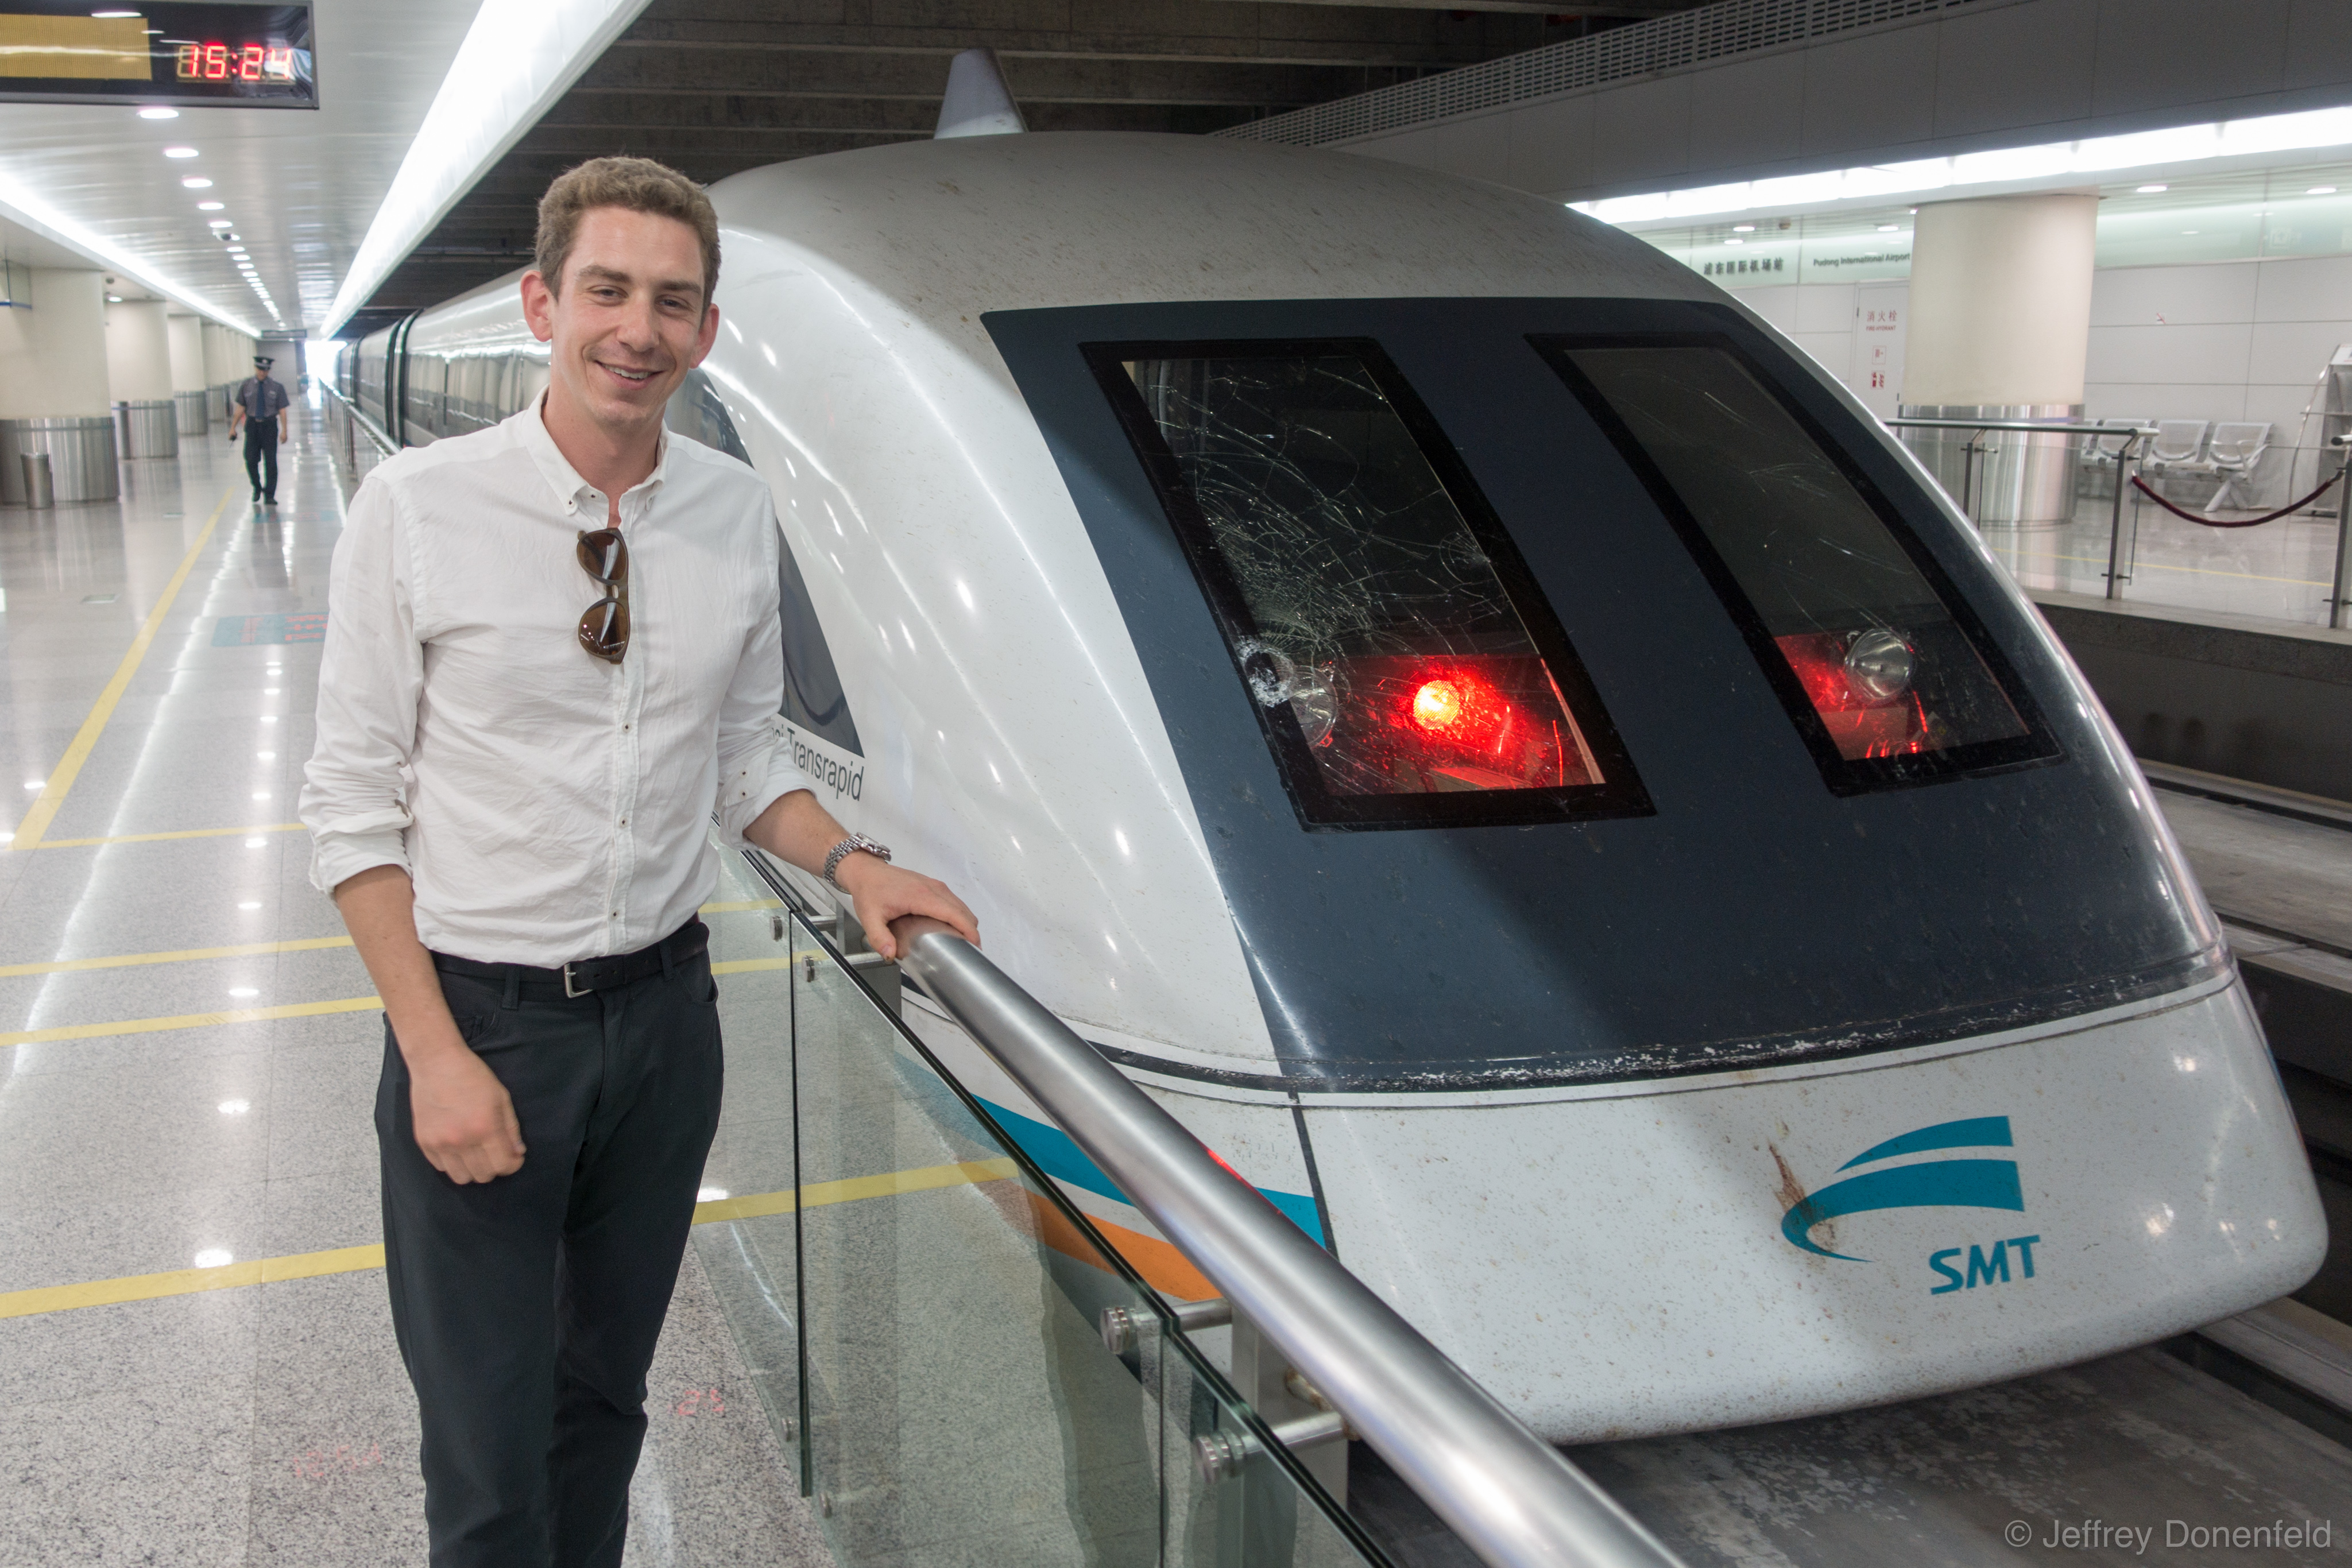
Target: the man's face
pixel 631 319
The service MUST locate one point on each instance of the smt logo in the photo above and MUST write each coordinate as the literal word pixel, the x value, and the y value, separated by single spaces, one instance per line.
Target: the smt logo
pixel 1982 1271
pixel 1931 1184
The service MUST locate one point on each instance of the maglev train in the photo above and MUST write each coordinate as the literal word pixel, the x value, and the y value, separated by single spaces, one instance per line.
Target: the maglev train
pixel 1496 740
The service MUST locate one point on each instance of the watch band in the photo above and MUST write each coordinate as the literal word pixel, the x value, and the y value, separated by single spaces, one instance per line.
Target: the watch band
pixel 850 846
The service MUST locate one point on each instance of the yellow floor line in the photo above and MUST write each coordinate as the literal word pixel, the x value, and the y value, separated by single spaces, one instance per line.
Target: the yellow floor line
pixel 186 954
pixel 746 965
pixel 817 1195
pixel 68 767
pixel 158 838
pixel 742 906
pixel 189 1021
pixel 188 1281
pixel 248 1015
pixel 354 1259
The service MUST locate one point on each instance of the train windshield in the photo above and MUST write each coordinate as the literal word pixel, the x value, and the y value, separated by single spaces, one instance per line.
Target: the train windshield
pixel 1872 658
pixel 1401 662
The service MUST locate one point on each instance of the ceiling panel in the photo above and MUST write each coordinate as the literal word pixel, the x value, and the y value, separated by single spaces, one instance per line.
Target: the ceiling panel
pixel 298 186
pixel 715 87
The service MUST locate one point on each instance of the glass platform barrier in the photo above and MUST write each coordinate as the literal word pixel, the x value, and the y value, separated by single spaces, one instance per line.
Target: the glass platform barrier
pixel 960 1366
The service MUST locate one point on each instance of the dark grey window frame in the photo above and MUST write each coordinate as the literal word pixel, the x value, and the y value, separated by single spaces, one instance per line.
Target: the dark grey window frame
pixel 1620 793
pixel 1843 776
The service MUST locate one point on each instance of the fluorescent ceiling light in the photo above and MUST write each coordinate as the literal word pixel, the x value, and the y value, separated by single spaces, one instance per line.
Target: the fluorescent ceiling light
pixel 32 210
pixel 197 183
pixel 2321 190
pixel 114 300
pixel 1743 228
pixel 157 112
pixel 2151 190
pixel 2055 160
pixel 1888 228
pixel 216 223
pixel 180 152
pixel 211 207
pixel 518 57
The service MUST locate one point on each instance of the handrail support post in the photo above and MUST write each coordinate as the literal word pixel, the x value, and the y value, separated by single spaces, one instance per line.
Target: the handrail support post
pixel 2116 520
pixel 1261 1375
pixel 2341 587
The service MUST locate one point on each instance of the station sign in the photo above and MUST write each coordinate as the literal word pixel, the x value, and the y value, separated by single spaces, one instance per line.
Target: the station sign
pixel 188 52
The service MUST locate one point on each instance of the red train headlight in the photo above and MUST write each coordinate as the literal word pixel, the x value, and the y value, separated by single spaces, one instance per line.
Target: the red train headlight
pixel 1437 706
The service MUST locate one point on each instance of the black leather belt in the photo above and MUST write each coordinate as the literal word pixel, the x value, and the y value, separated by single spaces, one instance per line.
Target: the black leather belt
pixel 583 975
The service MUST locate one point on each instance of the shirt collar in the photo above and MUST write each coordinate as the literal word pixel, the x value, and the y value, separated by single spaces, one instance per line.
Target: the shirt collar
pixel 571 491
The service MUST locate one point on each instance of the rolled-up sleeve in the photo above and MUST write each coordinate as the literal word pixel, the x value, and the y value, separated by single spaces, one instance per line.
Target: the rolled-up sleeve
pixel 755 758
pixel 355 797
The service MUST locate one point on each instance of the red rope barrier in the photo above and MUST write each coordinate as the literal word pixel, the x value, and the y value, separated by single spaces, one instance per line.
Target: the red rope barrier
pixel 2204 521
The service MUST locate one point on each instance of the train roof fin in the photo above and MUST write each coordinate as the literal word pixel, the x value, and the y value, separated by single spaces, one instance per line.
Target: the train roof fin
pixel 978 103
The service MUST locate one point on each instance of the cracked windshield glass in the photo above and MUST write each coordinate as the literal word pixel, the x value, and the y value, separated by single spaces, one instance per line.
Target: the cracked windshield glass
pixel 1363 610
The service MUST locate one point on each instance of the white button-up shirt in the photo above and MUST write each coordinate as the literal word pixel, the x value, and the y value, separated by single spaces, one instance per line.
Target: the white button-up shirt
pixel 549 806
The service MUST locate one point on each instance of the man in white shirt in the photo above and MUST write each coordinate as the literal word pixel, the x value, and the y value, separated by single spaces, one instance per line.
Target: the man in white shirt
pixel 508 802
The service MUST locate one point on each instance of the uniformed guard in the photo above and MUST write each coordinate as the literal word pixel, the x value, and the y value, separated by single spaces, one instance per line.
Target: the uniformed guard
pixel 261 404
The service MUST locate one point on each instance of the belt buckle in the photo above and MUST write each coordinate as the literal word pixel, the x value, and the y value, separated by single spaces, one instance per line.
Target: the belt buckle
pixel 569 992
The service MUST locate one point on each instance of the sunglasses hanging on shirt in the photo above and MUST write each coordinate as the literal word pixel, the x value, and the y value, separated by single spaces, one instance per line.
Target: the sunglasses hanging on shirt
pixel 604 627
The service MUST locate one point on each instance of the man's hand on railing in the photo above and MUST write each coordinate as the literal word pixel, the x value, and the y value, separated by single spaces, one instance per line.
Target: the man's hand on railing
pixel 882 892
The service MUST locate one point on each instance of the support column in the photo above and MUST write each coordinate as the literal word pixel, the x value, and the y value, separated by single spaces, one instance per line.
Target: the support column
pixel 54 391
pixel 220 359
pixel 2000 327
pixel 139 368
pixel 188 384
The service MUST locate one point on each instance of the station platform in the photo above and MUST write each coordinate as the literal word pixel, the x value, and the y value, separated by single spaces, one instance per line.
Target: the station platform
pixel 2280 570
pixel 196 1363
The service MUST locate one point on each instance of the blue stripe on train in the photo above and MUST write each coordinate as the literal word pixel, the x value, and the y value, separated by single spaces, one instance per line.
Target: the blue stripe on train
pixel 1059 1157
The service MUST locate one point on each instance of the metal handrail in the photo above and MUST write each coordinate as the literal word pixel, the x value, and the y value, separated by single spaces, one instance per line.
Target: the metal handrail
pixel 2036 425
pixel 1510 1496
pixel 2132 435
pixel 360 420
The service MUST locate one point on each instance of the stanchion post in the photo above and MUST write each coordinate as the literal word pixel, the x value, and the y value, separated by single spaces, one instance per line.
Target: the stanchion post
pixel 1968 478
pixel 2343 584
pixel 2116 522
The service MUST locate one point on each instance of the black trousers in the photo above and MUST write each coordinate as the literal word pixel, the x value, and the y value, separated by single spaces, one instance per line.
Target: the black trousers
pixel 526 1307
pixel 261 456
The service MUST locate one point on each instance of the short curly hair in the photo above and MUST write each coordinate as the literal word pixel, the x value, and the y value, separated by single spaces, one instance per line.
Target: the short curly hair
pixel 637 184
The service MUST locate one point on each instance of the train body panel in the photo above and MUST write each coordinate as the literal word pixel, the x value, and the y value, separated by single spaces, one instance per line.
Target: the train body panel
pixel 2081 1191
pixel 1168 517
pixel 908 478
pixel 1625 1260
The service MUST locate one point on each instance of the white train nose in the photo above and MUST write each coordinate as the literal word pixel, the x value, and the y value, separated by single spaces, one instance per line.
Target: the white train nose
pixel 1652 1258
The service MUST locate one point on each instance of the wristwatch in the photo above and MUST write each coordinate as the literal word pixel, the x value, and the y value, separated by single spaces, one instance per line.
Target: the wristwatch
pixel 850 846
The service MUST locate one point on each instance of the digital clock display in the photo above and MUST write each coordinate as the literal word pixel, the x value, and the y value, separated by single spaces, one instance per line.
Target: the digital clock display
pixel 217 61
pixel 204 52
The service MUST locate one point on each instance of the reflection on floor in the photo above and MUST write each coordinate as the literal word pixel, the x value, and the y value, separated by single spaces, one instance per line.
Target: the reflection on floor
pixel 2279 570
pixel 200 1098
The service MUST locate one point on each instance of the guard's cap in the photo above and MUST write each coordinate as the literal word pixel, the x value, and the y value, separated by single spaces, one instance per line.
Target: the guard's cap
pixel 264 364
